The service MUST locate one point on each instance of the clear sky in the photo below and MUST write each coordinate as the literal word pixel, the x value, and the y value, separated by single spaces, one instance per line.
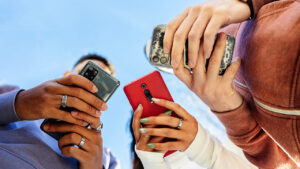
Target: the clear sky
pixel 41 39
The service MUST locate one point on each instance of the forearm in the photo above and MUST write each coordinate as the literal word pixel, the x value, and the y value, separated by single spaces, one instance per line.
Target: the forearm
pixel 7 107
pixel 151 160
pixel 207 152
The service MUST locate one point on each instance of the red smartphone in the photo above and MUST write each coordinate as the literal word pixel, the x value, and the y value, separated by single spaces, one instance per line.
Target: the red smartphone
pixel 143 89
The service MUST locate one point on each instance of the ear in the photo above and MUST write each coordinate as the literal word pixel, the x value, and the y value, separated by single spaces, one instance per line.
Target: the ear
pixel 67 73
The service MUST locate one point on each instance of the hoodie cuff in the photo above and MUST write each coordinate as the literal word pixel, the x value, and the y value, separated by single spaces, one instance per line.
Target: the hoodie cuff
pixel 7 107
pixel 238 122
pixel 151 160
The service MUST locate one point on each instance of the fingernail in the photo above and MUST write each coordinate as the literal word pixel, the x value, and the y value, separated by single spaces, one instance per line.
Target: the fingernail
pixel 74 113
pixel 155 99
pixel 223 36
pixel 150 145
pixel 142 130
pixel 104 107
pixel 144 120
pixel 191 63
pixel 84 123
pixel 174 63
pixel 168 112
pixel 46 127
pixel 95 89
pixel 235 59
pixel 98 113
pixel 139 107
pixel 166 50
pixel 206 54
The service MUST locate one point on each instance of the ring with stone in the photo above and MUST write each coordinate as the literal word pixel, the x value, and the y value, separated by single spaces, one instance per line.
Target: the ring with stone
pixel 82 142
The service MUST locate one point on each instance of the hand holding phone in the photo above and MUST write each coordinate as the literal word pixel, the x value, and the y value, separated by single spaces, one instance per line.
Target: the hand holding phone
pixel 105 83
pixel 141 92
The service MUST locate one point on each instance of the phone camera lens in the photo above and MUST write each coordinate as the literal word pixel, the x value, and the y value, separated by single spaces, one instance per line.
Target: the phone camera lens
pixel 155 59
pixel 144 86
pixel 163 60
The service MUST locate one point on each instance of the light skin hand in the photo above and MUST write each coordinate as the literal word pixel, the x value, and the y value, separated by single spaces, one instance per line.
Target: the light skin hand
pixel 201 22
pixel 183 136
pixel 216 91
pixel 90 154
pixel 141 139
pixel 44 101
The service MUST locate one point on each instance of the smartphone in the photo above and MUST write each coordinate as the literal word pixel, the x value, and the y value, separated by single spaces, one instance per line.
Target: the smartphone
pixel 105 82
pixel 159 58
pixel 142 90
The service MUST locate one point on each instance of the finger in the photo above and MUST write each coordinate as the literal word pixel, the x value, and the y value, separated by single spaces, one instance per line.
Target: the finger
pixel 163 132
pixel 199 72
pixel 183 74
pixel 136 122
pixel 65 116
pixel 83 95
pixel 82 106
pixel 231 71
pixel 195 35
pixel 79 81
pixel 73 139
pixel 180 36
pixel 71 151
pixel 171 29
pixel 215 60
pixel 210 33
pixel 172 106
pixel 177 145
pixel 67 128
pixel 93 121
pixel 161 120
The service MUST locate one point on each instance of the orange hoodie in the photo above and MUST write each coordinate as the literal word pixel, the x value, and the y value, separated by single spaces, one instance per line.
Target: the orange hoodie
pixel 267 125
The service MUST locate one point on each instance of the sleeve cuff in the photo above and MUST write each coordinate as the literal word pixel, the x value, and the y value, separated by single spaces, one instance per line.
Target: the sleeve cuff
pixel 237 122
pixel 7 107
pixel 177 160
pixel 151 160
pixel 202 148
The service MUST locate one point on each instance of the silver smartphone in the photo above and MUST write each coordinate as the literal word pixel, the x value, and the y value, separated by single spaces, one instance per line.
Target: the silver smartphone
pixel 158 58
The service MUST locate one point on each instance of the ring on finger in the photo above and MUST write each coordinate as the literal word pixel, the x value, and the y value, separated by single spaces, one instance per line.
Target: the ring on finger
pixel 179 124
pixel 82 142
pixel 100 127
pixel 64 101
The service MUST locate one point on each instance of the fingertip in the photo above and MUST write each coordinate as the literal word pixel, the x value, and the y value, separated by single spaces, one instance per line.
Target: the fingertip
pixel 94 89
pixel 74 113
pixel 155 100
pixel 104 107
pixel 46 126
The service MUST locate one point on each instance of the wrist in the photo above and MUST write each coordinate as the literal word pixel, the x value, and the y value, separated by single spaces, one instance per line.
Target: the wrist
pixel 20 105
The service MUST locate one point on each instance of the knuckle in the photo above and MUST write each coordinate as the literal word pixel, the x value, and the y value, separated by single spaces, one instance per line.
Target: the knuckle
pixel 207 35
pixel 170 26
pixel 192 36
pixel 73 137
pixel 178 36
pixel 207 8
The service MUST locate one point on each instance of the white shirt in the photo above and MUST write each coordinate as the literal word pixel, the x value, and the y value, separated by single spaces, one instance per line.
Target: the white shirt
pixel 204 152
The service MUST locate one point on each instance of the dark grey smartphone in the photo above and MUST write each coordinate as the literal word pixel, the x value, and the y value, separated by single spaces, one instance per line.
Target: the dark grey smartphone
pixel 105 82
pixel 159 58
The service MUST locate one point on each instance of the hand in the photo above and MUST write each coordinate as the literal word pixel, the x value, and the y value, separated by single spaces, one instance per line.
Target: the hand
pixel 142 140
pixel 184 135
pixel 216 91
pixel 201 22
pixel 90 154
pixel 44 101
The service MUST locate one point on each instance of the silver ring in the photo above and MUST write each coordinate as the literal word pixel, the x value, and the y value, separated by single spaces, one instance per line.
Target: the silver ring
pixel 82 142
pixel 64 101
pixel 100 127
pixel 179 124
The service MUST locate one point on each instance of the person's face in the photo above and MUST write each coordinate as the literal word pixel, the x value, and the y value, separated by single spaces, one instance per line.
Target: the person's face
pixel 80 66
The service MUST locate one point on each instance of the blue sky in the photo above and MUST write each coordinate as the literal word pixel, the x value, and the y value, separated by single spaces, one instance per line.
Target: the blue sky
pixel 40 40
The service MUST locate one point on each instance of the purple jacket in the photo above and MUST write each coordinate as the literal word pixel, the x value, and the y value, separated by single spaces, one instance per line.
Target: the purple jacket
pixel 24 145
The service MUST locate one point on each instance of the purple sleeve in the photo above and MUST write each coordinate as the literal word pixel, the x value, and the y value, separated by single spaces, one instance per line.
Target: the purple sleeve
pixel 7 107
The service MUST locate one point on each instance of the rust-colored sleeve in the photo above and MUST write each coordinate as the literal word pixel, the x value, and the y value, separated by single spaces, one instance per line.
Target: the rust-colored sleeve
pixel 246 133
pixel 257 4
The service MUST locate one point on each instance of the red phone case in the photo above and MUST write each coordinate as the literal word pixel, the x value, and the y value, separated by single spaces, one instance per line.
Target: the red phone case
pixel 158 89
